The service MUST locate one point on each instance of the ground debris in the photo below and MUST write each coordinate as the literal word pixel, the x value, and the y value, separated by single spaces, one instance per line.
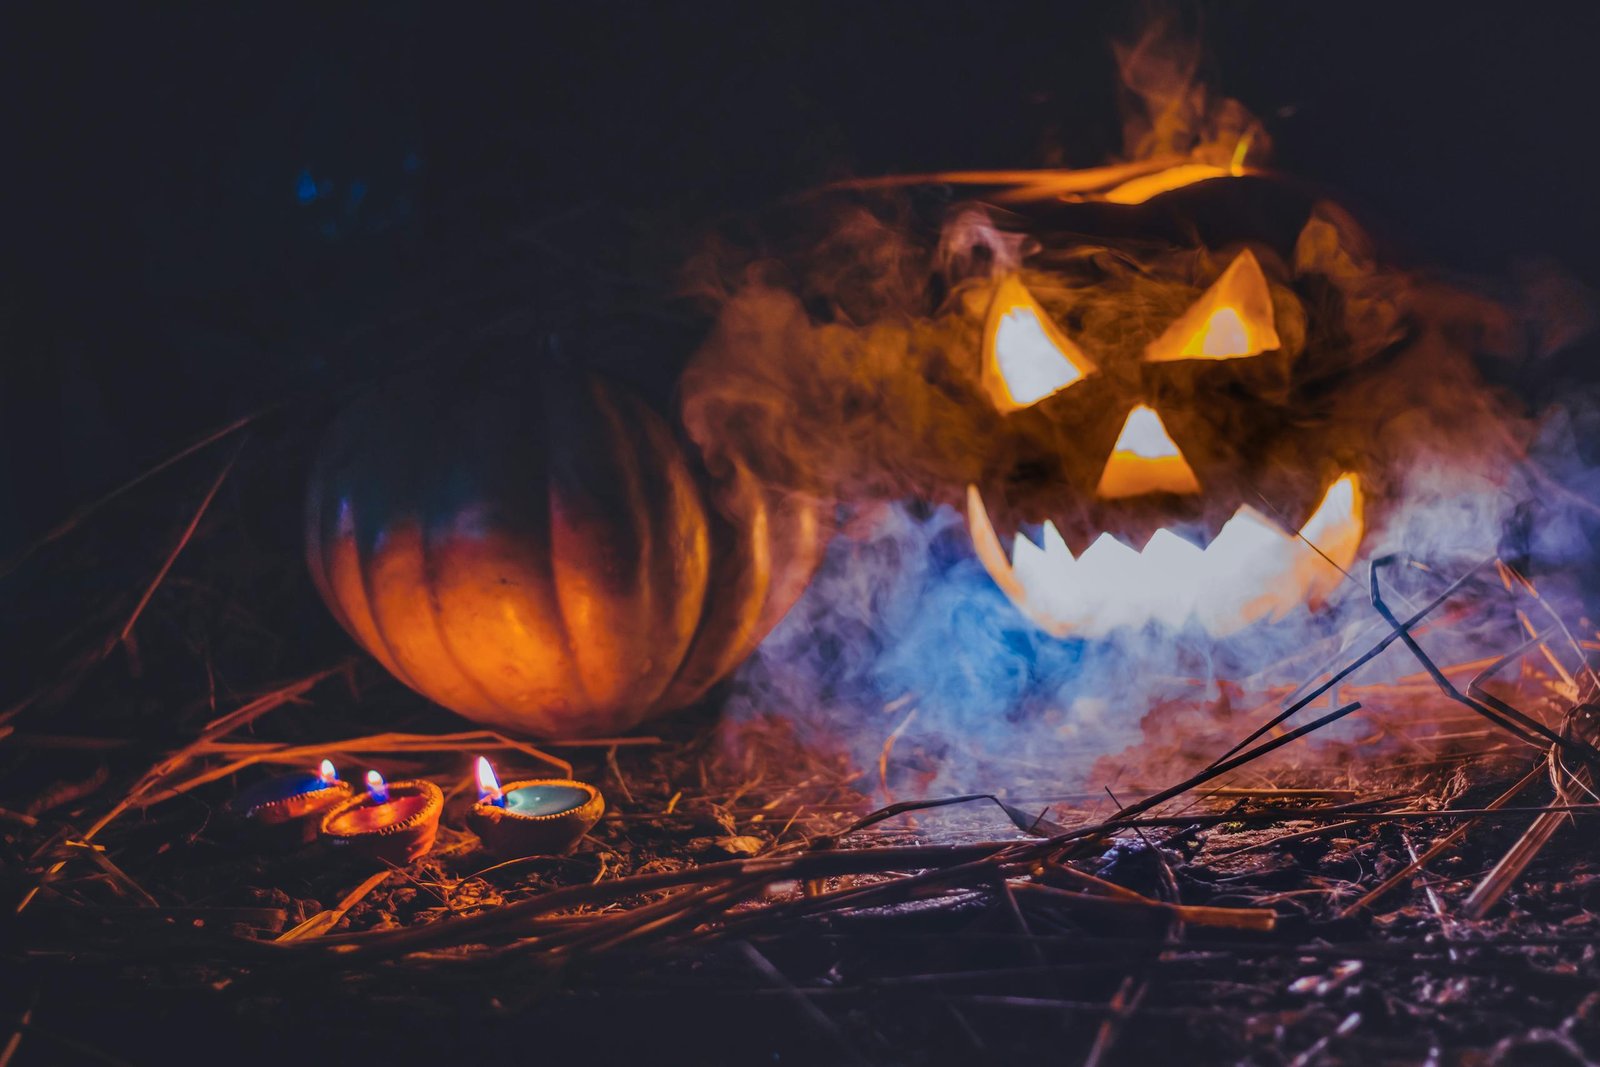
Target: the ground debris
pixel 749 897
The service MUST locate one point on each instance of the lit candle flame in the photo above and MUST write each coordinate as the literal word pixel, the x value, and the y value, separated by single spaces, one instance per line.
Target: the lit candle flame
pixel 327 773
pixel 488 784
pixel 377 787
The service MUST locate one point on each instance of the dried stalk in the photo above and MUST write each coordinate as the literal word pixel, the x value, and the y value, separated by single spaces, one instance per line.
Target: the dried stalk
pixel 803 1003
pixel 226 724
pixel 1487 893
pixel 177 549
pixel 1275 793
pixel 323 921
pixel 71 522
pixel 1352 666
pixel 1501 714
pixel 1256 920
pixel 1405 874
pixel 471 741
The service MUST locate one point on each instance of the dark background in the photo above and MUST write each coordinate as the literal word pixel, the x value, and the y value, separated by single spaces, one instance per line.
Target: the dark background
pixel 215 206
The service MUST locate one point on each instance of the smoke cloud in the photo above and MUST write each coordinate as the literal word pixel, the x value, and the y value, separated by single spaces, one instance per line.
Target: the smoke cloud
pixel 847 365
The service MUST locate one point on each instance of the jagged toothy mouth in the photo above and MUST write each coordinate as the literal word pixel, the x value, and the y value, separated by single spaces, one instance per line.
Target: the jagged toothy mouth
pixel 1253 569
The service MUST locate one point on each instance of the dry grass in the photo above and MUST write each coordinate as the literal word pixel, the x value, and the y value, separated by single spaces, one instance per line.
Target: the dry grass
pixel 1401 896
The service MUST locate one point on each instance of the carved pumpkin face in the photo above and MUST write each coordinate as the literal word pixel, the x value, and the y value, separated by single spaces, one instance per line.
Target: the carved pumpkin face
pixel 1195 409
pixel 1179 439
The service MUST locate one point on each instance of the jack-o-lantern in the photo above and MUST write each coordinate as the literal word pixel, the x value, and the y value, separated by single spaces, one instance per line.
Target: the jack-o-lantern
pixel 1204 389
pixel 1177 390
pixel 541 552
pixel 1187 404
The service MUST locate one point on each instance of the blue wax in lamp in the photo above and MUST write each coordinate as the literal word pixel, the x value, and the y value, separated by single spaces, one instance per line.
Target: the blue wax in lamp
pixel 292 798
pixel 286 787
pixel 282 787
pixel 545 799
pixel 533 816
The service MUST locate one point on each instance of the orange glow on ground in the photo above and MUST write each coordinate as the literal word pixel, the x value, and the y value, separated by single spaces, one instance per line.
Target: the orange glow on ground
pixel 1025 357
pixel 1231 320
pixel 1145 459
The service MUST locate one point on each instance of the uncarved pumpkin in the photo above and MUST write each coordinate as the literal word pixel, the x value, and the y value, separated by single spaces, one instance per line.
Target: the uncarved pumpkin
pixel 543 553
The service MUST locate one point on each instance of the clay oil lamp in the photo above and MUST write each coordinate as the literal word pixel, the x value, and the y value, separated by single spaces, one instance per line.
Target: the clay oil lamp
pixel 533 816
pixel 391 821
pixel 287 809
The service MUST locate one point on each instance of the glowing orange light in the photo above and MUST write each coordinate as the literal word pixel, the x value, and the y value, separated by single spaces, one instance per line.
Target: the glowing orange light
pixel 327 773
pixel 488 784
pixel 1025 357
pixel 1225 337
pixel 1145 459
pixel 377 787
pixel 1231 320
pixel 1138 190
pixel 1335 532
pixel 1252 570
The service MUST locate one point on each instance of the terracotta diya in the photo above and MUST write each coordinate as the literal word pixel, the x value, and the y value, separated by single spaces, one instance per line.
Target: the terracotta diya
pixel 286 809
pixel 391 821
pixel 532 816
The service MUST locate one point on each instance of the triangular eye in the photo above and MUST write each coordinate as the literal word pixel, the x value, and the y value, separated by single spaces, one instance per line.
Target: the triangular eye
pixel 1025 357
pixel 1231 320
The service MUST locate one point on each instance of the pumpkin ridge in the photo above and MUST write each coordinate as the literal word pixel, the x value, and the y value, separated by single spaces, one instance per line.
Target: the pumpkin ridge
pixel 364 568
pixel 596 654
pixel 402 605
pixel 317 557
pixel 363 537
pixel 695 572
pixel 546 600
pixel 393 594
pixel 343 575
pixel 744 572
pixel 430 574
pixel 642 436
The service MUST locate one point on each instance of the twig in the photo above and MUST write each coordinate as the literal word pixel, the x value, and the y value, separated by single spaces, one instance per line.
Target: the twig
pixel 1506 717
pixel 323 921
pixel 1488 892
pixel 1272 793
pixel 1435 905
pixel 267 752
pixel 217 728
pixel 1354 665
pixel 887 750
pixel 14 1042
pixel 1403 875
pixel 67 525
pixel 807 1008
pixel 1222 767
pixel 1301 835
pixel 1317 1048
pixel 1124 1002
pixel 1258 920
pixel 177 549
pixel 616 772
pixel 248 713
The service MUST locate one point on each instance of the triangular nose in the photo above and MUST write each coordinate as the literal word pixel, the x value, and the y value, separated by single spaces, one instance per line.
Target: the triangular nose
pixel 1145 459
